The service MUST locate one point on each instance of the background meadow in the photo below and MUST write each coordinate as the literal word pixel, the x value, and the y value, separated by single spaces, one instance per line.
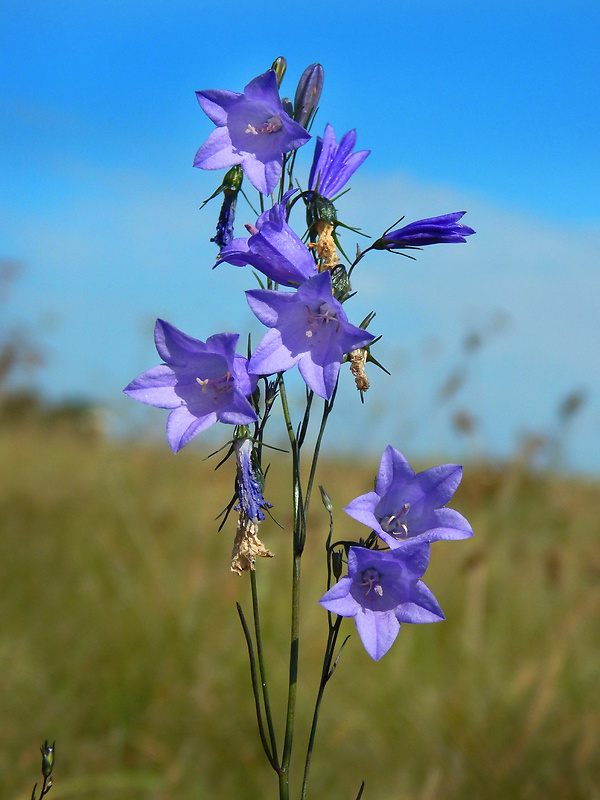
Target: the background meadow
pixel 120 637
pixel 118 631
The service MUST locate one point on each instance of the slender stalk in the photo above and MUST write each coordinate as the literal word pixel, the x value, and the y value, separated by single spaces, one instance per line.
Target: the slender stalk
pixel 327 408
pixel 299 528
pixel 255 689
pixel 261 666
pixel 326 674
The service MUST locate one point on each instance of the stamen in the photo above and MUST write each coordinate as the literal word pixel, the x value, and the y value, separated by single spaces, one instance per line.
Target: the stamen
pixel 220 384
pixel 394 526
pixel 272 125
pixel 322 316
pixel 371 580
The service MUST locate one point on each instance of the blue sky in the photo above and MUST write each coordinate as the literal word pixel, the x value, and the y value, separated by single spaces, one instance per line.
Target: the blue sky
pixel 485 106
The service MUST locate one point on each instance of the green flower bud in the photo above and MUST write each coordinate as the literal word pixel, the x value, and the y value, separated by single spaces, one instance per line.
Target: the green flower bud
pixel 326 500
pixel 47 758
pixel 337 563
pixel 279 65
pixel 232 181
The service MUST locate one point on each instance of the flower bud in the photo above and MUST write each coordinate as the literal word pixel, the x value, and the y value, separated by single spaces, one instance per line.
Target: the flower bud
pixel 279 65
pixel 326 500
pixel 47 758
pixel 308 93
pixel 337 563
pixel 287 106
pixel 233 179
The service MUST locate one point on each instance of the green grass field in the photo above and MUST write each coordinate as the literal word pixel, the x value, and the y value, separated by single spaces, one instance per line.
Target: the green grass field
pixel 119 637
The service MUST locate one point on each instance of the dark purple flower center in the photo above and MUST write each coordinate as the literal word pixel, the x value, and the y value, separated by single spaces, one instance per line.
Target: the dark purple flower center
pixel 394 523
pixel 371 579
pixel 319 318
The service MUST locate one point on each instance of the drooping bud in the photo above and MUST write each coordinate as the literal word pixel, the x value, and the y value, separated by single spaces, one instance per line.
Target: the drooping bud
pixel 308 93
pixel 280 66
pixel 337 563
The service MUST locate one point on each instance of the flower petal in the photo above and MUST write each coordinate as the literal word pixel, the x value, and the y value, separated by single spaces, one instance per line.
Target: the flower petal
pixel 217 152
pixel 338 599
pixel 377 630
pixel 182 426
pixel 440 483
pixel 155 387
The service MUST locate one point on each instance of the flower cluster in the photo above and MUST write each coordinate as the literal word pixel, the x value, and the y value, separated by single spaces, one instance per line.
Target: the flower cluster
pixel 303 307
pixel 407 512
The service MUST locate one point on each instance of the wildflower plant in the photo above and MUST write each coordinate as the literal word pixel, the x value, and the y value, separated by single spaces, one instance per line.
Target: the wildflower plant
pixel 303 300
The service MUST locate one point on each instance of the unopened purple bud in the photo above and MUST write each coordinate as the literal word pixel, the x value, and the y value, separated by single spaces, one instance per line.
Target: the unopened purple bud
pixel 433 230
pixel 308 93
pixel 279 66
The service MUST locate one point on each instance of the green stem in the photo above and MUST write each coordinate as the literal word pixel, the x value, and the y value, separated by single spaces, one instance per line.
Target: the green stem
pixel 299 530
pixel 255 689
pixel 328 406
pixel 326 674
pixel 261 667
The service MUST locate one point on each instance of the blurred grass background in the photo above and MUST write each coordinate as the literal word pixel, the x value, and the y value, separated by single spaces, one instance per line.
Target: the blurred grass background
pixel 119 636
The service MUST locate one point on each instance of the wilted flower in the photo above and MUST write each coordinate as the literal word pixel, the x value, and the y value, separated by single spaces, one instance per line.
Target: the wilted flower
pixel 203 382
pixel 273 249
pixel 408 506
pixel 308 328
pixel 247 546
pixel 383 590
pixel 333 165
pixel 253 130
pixel 308 93
pixel 231 185
pixel 435 230
pixel 251 500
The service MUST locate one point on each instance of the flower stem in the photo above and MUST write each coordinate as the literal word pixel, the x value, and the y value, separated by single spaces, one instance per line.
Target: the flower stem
pixel 255 689
pixel 326 673
pixel 261 667
pixel 299 531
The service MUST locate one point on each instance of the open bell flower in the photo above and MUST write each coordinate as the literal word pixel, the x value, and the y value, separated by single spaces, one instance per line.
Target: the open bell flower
pixel 253 130
pixel 406 505
pixel 202 382
pixel 307 327
pixel 445 229
pixel 273 249
pixel 381 591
